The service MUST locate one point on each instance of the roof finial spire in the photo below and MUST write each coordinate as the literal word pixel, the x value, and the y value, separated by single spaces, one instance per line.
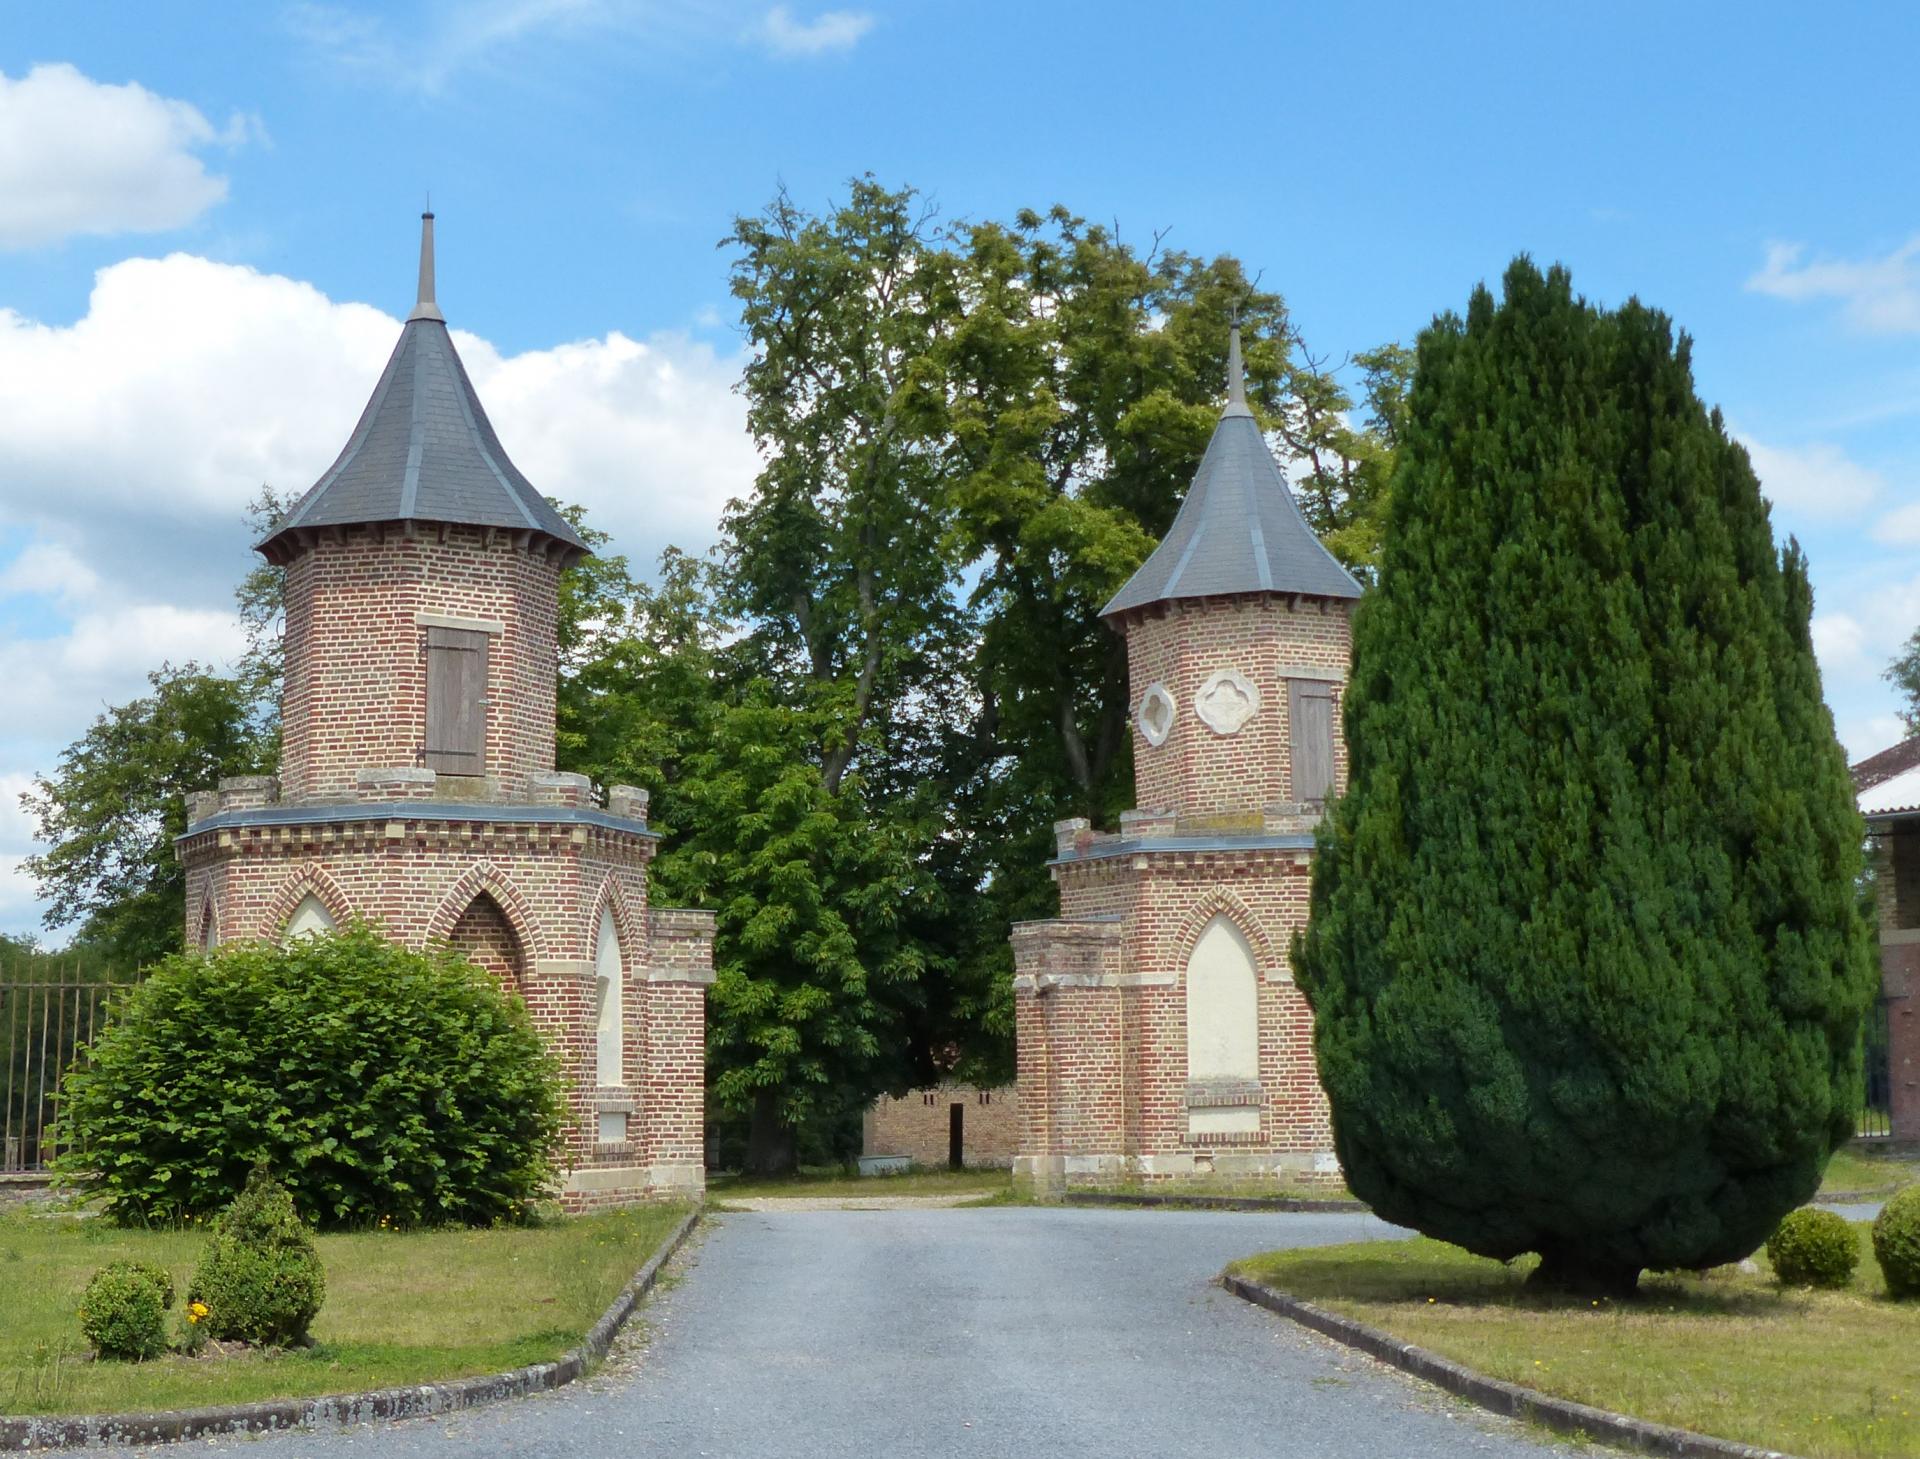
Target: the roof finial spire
pixel 1236 371
pixel 426 308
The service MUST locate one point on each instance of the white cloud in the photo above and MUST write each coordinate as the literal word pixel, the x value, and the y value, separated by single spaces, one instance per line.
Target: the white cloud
pixel 46 569
pixel 1818 479
pixel 60 683
pixel 831 30
pixel 1840 644
pixel 188 383
pixel 1881 294
pixel 1899 527
pixel 82 156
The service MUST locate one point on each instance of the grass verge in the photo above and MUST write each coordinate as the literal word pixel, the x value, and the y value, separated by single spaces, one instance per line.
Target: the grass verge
pixel 401 1308
pixel 1852 1173
pixel 835 1182
pixel 1828 1375
pixel 1175 1190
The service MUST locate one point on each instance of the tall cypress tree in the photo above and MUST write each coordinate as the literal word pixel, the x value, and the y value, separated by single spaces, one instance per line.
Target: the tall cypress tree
pixel 1585 956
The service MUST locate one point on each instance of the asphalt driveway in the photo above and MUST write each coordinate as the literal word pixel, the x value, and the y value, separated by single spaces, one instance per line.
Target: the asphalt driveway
pixel 1012 1331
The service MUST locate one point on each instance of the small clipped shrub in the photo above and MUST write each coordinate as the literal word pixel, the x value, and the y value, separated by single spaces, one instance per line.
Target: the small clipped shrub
pixel 260 1277
pixel 1896 1243
pixel 124 1311
pixel 380 1083
pixel 1814 1248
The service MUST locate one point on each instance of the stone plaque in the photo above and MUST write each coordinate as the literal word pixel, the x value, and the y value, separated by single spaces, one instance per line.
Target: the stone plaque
pixel 1227 701
pixel 1155 716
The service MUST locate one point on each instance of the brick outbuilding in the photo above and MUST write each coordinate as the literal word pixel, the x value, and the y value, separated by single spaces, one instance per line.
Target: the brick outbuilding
pixel 1888 785
pixel 1159 1031
pixel 417 786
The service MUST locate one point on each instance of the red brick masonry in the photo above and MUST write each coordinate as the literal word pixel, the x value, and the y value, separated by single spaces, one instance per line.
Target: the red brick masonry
pixel 1102 993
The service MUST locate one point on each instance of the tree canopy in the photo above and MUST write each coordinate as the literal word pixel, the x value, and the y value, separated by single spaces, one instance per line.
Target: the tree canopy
pixel 1586 958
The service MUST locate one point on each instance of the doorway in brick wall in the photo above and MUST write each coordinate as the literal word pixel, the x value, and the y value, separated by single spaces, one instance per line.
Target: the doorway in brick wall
pixel 956 1135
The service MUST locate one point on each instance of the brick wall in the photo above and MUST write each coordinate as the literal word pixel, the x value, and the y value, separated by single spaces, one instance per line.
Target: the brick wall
pixel 524 898
pixel 918 1124
pixel 1198 772
pixel 355 695
pixel 1895 848
pixel 1100 994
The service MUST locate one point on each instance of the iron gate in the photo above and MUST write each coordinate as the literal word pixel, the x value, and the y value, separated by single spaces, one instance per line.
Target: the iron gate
pixel 1876 1110
pixel 42 1026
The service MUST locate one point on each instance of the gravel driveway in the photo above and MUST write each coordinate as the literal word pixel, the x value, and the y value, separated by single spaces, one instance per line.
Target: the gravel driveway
pixel 1007 1331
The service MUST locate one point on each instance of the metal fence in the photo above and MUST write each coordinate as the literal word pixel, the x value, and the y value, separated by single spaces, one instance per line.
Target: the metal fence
pixel 1876 1110
pixel 42 1026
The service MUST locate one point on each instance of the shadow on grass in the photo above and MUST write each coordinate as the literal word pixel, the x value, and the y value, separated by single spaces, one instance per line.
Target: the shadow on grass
pixel 1426 1272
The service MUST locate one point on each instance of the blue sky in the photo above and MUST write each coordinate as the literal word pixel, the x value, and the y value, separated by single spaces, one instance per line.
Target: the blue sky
pixel 207 222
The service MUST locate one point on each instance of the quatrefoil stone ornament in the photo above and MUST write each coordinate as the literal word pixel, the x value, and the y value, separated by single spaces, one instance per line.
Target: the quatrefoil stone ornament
pixel 1155 716
pixel 1226 701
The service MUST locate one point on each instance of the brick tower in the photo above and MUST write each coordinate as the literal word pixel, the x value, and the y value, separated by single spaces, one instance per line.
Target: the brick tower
pixel 1159 1030
pixel 417 786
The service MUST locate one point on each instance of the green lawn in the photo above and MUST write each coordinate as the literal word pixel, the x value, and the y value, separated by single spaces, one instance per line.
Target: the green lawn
pixel 401 1308
pixel 1877 1175
pixel 835 1181
pixel 1728 1354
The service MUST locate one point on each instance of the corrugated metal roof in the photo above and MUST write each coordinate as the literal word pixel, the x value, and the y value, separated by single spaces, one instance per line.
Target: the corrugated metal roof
pixel 424 449
pixel 1895 794
pixel 1239 529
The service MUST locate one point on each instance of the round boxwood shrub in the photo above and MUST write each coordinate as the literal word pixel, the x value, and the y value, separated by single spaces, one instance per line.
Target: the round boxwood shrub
pixel 124 1311
pixel 378 1082
pixel 1813 1248
pixel 1896 1243
pixel 260 1276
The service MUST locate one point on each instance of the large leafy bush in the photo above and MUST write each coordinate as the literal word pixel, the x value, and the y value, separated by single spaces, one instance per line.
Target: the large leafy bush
pixel 260 1276
pixel 379 1082
pixel 124 1311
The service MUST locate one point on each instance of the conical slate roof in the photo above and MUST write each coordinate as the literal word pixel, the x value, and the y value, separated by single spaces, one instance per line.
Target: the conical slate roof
pixel 1239 530
pixel 424 450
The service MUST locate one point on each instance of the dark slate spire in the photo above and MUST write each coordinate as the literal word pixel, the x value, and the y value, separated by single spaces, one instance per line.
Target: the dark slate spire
pixel 424 450
pixel 1239 530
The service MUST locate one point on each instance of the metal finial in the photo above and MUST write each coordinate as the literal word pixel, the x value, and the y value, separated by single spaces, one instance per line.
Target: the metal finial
pixel 425 308
pixel 1236 374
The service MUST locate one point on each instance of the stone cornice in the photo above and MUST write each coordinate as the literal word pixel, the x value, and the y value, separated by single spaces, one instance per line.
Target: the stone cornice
pixel 360 813
pixel 1107 850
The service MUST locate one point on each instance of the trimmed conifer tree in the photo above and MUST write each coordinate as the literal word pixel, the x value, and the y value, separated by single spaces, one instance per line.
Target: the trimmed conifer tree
pixel 1586 958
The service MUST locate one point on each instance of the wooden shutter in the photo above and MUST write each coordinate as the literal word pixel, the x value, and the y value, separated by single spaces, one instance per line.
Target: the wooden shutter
pixel 456 701
pixel 1310 715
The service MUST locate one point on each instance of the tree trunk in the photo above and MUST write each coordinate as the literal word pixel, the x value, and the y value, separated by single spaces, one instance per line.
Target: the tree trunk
pixel 1582 1274
pixel 769 1139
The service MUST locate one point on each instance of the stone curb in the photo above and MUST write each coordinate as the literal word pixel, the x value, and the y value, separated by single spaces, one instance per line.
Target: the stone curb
pixel 1213 1203
pixel 1559 1414
pixel 56 1431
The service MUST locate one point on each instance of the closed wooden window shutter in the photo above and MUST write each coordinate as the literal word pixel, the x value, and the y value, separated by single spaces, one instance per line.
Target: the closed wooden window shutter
pixel 1310 714
pixel 456 701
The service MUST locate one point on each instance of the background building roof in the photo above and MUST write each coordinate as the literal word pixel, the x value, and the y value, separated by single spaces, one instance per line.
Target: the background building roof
pixel 424 450
pixel 1239 529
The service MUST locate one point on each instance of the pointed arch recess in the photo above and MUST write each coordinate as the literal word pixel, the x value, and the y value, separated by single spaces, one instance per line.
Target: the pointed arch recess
pixel 206 936
pixel 306 881
pixel 632 933
pixel 1269 960
pixel 613 978
pixel 486 877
